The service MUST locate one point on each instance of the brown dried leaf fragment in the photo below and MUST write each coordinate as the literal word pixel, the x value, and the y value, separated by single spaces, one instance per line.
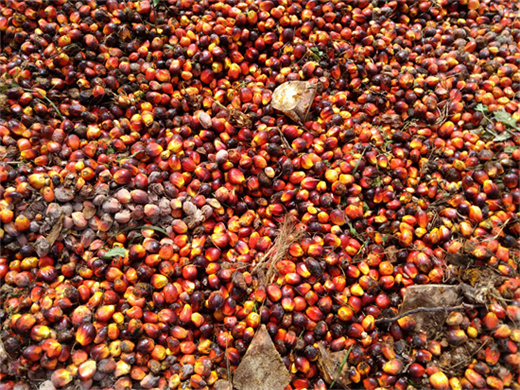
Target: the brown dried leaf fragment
pixel 43 245
pixel 194 216
pixel 333 366
pixel 429 296
pixel 262 367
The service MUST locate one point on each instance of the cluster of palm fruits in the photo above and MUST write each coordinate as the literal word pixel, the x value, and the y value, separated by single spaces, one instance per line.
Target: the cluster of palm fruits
pixel 144 175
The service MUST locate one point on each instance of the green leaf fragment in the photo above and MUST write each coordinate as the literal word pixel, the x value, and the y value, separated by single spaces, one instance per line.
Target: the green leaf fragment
pixel 505 118
pixel 502 137
pixel 117 251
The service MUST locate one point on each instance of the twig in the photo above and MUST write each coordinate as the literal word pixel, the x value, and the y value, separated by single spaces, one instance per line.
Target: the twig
pixel 228 369
pixel 461 307
pixel 284 140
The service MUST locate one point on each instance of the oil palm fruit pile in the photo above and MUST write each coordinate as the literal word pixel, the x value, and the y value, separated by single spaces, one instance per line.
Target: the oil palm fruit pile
pixel 156 208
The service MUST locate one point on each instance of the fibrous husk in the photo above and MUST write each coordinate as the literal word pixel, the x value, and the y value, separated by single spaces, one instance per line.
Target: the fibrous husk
pixel 333 366
pixel 238 119
pixel 393 120
pixel 262 367
pixel 287 234
pixel 429 296
pixel 194 216
pixel 294 99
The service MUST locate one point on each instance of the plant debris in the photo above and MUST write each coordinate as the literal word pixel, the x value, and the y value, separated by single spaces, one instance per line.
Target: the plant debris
pixel 287 235
pixel 333 366
pixel 429 296
pixel 43 245
pixel 262 367
pixel 294 99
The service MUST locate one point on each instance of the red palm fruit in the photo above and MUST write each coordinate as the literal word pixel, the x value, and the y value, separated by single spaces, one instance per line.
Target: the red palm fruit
pixel 85 334
pixel 388 351
pixel 475 214
pixel 393 367
pixel 123 176
pixel 337 217
pixel 494 383
pixel 104 313
pixel 235 176
pixel 454 319
pixel 490 321
pixel 40 332
pixel 502 332
pixel 492 355
pixel 24 323
pixel 513 359
pixel 314 314
pixel 435 348
pixel 33 353
pixel 456 337
pixel 416 370
pixel 439 381
pixel 302 364
pixel 299 303
pixel 87 370
pixel 185 314
pixel 21 223
pixel 476 379
pixel 355 330
pixel 61 377
pixel 325 306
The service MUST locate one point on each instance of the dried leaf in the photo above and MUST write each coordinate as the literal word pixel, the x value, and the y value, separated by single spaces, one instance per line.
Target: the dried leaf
pixel 56 231
pixel 429 296
pixel 222 384
pixel 334 366
pixel 286 236
pixel 504 136
pixel 391 119
pixel 391 254
pixel 3 353
pixel 262 367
